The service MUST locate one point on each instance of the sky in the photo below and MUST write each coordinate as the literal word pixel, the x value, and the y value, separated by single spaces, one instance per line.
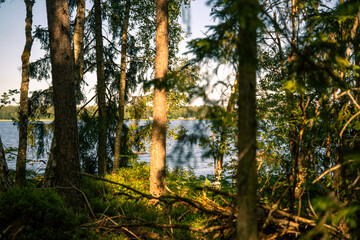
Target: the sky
pixel 12 40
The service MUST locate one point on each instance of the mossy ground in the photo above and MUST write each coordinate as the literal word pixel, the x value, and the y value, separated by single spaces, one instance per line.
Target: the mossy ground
pixel 41 213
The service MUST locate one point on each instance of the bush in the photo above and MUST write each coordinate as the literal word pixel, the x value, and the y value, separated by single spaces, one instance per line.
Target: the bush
pixel 31 213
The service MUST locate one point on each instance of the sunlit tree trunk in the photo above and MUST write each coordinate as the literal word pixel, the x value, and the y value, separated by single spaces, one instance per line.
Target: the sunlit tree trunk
pixel 23 112
pixel 294 144
pixel 355 38
pixel 66 151
pixel 158 140
pixel 120 124
pixel 78 41
pixel 225 124
pixel 100 89
pixel 341 141
pixel 301 159
pixel 246 175
pixel 5 181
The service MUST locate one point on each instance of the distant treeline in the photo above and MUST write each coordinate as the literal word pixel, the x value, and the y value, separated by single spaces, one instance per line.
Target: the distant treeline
pixel 198 112
pixel 9 112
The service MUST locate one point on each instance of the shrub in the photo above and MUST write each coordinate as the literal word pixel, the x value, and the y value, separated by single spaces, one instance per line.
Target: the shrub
pixel 31 213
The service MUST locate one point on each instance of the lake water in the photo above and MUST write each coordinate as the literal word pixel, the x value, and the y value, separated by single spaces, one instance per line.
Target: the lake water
pixel 182 155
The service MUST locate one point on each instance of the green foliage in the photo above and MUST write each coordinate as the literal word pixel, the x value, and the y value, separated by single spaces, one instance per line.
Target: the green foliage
pixel 30 213
pixel 119 202
pixel 39 137
pixel 7 97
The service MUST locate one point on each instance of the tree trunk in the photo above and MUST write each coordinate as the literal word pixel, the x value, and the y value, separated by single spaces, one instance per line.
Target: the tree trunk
pixel 5 181
pixel 120 124
pixel 24 111
pixel 229 110
pixel 78 40
pixel 246 225
pixel 66 151
pixel 158 138
pixel 49 175
pixel 100 89
pixel 294 143
pixel 301 159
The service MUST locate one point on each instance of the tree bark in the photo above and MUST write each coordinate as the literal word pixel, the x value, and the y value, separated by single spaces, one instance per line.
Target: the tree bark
pixel 78 41
pixel 49 175
pixel 294 141
pixel 246 225
pixel 66 151
pixel 158 140
pixel 225 125
pixel 120 124
pixel 24 108
pixel 5 181
pixel 100 89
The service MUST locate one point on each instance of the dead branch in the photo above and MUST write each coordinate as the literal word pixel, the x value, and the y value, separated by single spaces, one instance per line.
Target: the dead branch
pixel 144 223
pixel 306 221
pixel 167 199
pixel 285 222
pixel 18 231
pixel 348 122
pixel 331 169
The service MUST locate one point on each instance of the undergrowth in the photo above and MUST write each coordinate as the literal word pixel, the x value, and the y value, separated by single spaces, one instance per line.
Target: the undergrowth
pixel 34 213
pixel 120 204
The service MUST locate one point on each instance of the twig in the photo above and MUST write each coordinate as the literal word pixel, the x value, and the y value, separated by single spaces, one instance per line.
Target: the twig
pixel 352 99
pixel 133 234
pixel 307 221
pixel 82 107
pixel 85 198
pixel 347 123
pixel 107 218
pixel 4 232
pixel 17 232
pixel 179 218
pixel 286 214
pixel 354 183
pixel 177 226
pixel 165 199
pixel 331 169
pixel 311 207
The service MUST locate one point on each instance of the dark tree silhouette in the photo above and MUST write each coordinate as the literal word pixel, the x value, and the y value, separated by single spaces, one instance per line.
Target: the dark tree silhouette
pixel 100 89
pixel 66 151
pixel 120 124
pixel 5 181
pixel 246 227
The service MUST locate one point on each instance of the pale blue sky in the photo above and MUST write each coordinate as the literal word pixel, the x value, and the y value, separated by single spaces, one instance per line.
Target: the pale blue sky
pixel 12 40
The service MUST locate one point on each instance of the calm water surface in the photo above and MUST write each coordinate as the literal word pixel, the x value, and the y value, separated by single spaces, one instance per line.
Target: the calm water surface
pixel 179 154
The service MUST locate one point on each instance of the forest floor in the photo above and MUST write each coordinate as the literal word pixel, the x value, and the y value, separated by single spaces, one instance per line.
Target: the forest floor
pixel 118 206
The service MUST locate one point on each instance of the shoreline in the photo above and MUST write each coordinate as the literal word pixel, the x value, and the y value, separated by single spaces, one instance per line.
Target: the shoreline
pixel 172 119
pixel 42 120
